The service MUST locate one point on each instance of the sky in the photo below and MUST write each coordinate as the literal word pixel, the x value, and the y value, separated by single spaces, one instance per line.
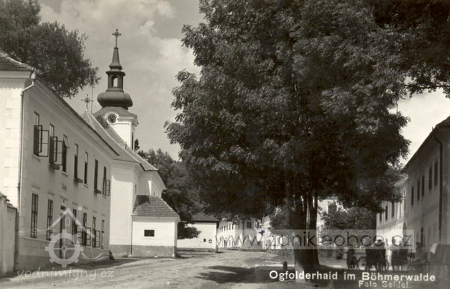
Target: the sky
pixel 150 49
pixel 151 54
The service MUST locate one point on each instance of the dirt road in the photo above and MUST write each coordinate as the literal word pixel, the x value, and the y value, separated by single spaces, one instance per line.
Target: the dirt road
pixel 229 269
pixel 193 270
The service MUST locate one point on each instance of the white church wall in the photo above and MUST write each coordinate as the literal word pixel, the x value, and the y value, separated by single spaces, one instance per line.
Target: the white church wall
pixel 123 191
pixel 124 128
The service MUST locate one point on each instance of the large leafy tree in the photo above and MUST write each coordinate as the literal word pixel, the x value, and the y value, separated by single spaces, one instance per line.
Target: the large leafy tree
pixel 355 218
pixel 294 103
pixel 180 194
pixel 57 53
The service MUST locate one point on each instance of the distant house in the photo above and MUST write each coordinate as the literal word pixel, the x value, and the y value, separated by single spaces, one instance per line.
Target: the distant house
pixel 206 240
pixel 246 234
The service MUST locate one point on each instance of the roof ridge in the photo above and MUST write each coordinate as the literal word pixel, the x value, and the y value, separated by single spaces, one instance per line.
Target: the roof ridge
pixel 123 146
pixel 160 198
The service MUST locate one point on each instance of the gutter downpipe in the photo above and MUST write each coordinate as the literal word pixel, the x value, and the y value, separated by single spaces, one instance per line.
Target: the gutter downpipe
pixel 22 132
pixel 19 185
pixel 441 145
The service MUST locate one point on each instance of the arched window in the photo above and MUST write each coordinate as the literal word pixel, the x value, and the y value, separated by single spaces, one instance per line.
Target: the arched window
pixel 114 81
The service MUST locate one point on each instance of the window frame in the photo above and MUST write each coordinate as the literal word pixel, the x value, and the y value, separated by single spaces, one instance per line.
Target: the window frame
pixel 49 230
pixel 430 178
pixel 34 214
pixel 436 173
pixel 96 190
pixel 86 167
pixel 65 146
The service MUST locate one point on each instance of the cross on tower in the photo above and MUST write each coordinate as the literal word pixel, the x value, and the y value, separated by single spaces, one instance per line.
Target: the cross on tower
pixel 116 34
pixel 87 100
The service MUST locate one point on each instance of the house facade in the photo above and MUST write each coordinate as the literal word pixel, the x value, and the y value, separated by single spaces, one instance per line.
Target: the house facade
pixel 52 161
pixel 424 212
pixel 423 215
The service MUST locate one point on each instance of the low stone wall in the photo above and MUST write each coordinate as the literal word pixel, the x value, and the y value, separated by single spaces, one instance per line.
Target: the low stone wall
pixel 154 251
pixel 33 256
pixel 142 251
pixel 120 250
pixel 8 236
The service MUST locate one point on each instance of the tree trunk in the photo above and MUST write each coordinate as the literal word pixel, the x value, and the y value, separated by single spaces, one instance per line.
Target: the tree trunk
pixel 303 228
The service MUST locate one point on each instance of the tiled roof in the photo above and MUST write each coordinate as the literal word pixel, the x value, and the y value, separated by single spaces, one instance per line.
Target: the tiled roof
pixel 9 64
pixel 125 153
pixel 152 206
pixel 201 217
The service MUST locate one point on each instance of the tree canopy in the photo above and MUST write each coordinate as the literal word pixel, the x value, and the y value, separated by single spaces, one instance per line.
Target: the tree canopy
pixel 57 53
pixel 293 95
pixel 296 100
pixel 355 218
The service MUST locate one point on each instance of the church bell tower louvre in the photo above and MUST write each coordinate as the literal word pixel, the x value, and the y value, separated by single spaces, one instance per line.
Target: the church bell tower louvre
pixel 115 102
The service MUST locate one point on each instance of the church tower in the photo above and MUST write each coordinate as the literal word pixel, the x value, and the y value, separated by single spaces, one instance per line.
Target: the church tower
pixel 115 102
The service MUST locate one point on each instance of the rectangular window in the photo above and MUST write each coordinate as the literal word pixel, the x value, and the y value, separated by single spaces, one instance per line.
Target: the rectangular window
pixel 386 213
pixel 436 173
pixel 86 168
pixel 65 145
pixel 412 196
pixel 75 163
pixel 49 219
pixel 381 217
pixel 393 211
pixel 94 239
pixel 423 185
pixel 51 131
pixel 56 150
pixel 418 189
pixel 149 233
pixel 249 225
pixel 84 234
pixel 34 214
pixel 37 119
pixel 74 225
pixel 40 138
pixel 430 178
pixel 96 176
pixel 102 242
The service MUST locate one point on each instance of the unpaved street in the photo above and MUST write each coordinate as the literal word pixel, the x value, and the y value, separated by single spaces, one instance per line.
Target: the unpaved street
pixel 228 269
pixel 193 270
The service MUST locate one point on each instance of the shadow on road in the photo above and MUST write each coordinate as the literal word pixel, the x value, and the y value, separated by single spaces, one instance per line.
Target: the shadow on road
pixel 259 275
